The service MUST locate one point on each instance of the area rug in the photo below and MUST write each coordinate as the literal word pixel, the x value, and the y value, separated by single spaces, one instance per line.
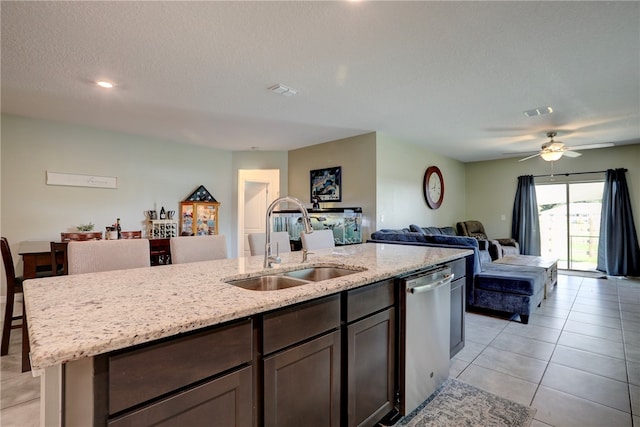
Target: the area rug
pixel 456 403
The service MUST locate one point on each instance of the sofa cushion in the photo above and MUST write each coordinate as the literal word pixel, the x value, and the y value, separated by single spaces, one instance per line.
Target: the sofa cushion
pixel 453 240
pixel 417 229
pixel 398 236
pixel 436 239
pixel 510 250
pixel 447 231
pixel 509 278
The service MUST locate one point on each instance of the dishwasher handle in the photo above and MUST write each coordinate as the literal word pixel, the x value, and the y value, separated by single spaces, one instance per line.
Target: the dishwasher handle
pixel 431 286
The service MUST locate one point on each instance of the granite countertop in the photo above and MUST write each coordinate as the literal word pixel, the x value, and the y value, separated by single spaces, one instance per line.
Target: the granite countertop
pixel 78 316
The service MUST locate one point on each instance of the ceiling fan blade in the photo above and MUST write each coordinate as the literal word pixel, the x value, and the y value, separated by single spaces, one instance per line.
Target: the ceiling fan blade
pixel 571 153
pixel 530 157
pixel 592 146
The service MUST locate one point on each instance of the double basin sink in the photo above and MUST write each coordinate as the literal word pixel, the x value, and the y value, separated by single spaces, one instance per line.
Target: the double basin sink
pixel 290 279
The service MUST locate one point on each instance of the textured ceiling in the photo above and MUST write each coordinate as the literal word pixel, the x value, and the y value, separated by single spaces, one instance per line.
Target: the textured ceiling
pixel 454 77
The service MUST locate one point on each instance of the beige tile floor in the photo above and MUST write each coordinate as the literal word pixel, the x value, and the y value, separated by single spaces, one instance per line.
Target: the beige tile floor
pixel 577 361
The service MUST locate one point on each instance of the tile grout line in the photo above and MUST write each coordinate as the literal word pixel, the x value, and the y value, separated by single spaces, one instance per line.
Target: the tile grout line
pixel 555 345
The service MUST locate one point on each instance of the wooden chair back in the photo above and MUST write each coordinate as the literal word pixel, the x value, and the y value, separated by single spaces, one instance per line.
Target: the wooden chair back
pixel 14 285
pixel 131 234
pixel 59 261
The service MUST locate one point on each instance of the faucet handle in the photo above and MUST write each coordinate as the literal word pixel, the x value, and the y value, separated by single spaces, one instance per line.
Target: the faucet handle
pixel 305 253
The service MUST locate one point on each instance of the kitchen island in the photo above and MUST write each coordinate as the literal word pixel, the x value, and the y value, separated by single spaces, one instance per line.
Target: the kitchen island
pixel 75 319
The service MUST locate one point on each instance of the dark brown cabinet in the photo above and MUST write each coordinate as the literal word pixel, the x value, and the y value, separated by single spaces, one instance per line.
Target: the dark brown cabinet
pixel 371 337
pixel 302 373
pixel 225 401
pixel 329 362
pixel 302 384
pixel 458 295
pixel 456 339
pixel 203 378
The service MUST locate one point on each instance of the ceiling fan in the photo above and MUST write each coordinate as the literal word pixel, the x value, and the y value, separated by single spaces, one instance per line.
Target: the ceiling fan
pixel 554 150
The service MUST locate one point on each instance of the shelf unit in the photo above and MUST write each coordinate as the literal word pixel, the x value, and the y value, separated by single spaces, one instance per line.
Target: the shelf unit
pixel 162 228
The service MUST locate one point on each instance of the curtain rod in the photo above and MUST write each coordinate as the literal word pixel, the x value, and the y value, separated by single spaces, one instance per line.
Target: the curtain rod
pixel 567 174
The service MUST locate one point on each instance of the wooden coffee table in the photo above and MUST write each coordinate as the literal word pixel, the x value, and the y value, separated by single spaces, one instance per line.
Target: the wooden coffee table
pixel 550 266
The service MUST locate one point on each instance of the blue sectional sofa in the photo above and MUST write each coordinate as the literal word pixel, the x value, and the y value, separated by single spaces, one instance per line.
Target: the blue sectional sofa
pixel 505 288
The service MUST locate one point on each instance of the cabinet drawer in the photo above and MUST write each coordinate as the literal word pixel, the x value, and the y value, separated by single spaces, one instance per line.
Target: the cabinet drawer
pixel 151 371
pixel 369 299
pixel 291 325
pixel 226 401
pixel 458 268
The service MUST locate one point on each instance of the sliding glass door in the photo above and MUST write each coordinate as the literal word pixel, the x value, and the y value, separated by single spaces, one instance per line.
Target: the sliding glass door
pixel 570 222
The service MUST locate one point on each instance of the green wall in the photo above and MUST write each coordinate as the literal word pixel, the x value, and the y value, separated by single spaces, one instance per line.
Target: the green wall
pixel 381 173
pixel 151 173
pixel 399 184
pixel 491 185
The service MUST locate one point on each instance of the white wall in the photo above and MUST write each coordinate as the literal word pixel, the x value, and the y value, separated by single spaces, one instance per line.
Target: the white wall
pixel 151 173
pixel 400 197
pixel 491 185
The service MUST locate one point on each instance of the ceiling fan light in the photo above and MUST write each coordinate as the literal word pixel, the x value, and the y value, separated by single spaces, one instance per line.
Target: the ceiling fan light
pixel 551 156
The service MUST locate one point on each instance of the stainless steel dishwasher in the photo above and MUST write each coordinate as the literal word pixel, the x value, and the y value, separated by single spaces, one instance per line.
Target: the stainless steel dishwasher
pixel 425 316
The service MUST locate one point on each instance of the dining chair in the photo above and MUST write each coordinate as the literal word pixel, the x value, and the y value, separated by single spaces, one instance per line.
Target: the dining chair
pixel 106 255
pixel 279 242
pixel 59 252
pixel 93 235
pixel 197 248
pixel 14 286
pixel 131 234
pixel 319 239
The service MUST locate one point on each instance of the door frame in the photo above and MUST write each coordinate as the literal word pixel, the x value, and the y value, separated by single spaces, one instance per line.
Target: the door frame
pixel 271 177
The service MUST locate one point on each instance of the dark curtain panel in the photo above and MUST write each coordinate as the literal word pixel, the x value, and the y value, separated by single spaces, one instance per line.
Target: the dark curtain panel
pixel 618 253
pixel 525 225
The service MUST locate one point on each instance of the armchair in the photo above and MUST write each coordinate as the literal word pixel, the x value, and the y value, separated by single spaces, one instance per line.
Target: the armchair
pixel 497 247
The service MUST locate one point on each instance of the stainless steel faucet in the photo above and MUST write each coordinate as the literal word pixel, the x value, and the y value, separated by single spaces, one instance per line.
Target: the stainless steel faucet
pixel 269 259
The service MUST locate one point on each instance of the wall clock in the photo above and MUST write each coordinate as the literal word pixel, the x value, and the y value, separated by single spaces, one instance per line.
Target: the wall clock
pixel 433 187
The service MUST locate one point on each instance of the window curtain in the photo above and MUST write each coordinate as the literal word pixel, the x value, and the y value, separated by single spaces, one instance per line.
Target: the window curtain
pixel 525 225
pixel 618 253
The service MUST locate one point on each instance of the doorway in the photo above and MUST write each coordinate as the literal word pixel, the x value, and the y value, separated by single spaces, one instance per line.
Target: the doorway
pixel 569 216
pixel 257 188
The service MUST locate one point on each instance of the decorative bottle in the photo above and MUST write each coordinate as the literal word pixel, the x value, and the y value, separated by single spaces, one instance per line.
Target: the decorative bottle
pixel 163 213
pixel 118 229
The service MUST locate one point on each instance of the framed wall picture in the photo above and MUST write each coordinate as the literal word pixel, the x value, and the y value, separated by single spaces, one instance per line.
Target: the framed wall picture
pixel 326 184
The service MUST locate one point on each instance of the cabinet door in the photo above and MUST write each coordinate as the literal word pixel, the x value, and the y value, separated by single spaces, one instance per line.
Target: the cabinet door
pixel 371 361
pixel 302 385
pixel 456 339
pixel 206 219
pixel 224 402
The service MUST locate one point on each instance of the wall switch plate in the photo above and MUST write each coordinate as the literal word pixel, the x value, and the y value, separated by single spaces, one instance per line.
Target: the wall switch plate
pixel 503 217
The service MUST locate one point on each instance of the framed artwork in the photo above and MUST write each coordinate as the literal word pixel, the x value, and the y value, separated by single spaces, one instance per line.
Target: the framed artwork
pixel 326 184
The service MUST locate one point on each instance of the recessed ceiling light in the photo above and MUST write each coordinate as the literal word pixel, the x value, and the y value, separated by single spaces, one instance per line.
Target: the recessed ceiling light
pixel 105 84
pixel 538 111
pixel 283 90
